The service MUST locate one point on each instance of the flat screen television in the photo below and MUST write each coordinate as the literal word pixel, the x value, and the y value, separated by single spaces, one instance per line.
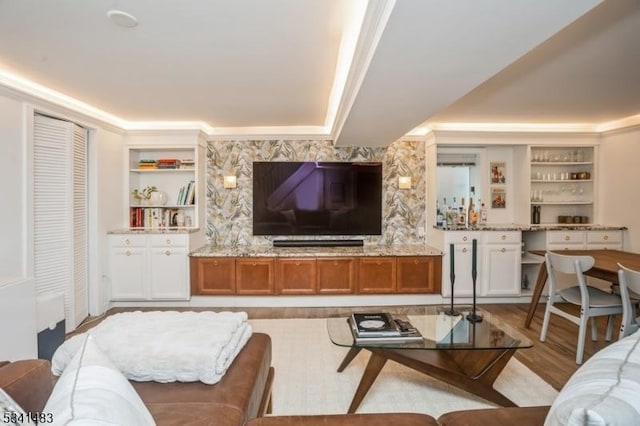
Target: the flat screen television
pixel 317 198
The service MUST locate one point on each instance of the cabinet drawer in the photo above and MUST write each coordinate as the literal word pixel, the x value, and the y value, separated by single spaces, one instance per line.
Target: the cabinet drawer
pixel 565 237
pixel 498 237
pixel 606 237
pixel 129 240
pixel 168 240
pixel 459 237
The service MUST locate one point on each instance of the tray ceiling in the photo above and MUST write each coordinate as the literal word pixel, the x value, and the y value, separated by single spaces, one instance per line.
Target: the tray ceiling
pixel 360 72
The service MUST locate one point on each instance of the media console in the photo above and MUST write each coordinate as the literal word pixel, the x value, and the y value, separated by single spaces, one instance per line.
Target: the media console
pixel 316 270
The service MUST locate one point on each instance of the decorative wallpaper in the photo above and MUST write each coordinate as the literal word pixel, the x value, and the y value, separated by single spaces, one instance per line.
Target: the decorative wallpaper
pixel 229 211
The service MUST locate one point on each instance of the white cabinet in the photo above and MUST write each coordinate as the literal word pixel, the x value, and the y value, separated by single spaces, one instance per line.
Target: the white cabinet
pixel 501 266
pixel 566 240
pixel 149 267
pixel 611 240
pixel 498 263
pixel 584 240
pixel 562 184
pixel 462 243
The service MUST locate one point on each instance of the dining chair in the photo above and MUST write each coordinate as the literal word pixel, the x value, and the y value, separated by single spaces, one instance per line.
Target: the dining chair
pixel 593 302
pixel 629 281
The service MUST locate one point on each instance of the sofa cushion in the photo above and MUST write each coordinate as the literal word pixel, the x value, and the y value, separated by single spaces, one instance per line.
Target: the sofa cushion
pixel 11 414
pixel 604 391
pixel 521 416
pixel 28 382
pixel 92 391
pixel 195 414
pixel 381 419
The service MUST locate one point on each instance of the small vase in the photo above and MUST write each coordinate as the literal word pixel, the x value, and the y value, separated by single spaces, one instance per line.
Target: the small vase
pixel 158 198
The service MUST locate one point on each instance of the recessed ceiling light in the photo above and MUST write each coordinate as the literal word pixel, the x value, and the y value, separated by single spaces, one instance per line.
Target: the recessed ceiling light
pixel 122 19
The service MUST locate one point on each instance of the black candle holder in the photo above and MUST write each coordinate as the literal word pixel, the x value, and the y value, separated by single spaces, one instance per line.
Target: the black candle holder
pixel 474 316
pixel 452 278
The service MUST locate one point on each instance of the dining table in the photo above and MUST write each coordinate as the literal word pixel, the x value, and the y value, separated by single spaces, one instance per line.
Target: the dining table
pixel 604 268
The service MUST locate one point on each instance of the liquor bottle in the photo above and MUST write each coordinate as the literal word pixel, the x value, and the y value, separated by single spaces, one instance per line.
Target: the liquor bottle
pixel 462 214
pixel 483 214
pixel 444 210
pixel 452 214
pixel 439 213
pixel 472 215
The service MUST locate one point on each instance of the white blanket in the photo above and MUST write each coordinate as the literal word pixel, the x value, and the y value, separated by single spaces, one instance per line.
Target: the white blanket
pixel 166 346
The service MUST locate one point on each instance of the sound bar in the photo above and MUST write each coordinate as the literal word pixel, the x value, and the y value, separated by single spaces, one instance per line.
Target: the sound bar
pixel 318 243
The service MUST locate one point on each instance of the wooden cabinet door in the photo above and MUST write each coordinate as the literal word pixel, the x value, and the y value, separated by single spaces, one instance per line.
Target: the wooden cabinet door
pixel 213 275
pixel 419 274
pixel 254 276
pixel 336 275
pixel 377 275
pixel 296 276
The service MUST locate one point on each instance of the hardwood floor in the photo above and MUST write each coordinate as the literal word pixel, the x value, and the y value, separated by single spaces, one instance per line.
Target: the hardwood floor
pixel 553 360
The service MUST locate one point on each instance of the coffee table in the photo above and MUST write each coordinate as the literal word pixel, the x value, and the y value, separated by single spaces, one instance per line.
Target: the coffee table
pixel 466 355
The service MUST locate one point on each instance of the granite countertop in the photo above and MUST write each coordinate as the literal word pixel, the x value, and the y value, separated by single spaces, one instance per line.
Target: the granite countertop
pixel 269 251
pixel 516 227
pixel 154 231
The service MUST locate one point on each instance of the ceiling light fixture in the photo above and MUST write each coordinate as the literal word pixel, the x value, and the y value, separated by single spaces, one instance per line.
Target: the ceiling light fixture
pixel 122 19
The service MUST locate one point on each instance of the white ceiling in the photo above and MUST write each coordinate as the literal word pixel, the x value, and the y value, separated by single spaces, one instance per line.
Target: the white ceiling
pixel 277 67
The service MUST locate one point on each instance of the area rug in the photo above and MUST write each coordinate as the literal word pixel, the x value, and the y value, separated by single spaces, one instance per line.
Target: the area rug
pixel 306 381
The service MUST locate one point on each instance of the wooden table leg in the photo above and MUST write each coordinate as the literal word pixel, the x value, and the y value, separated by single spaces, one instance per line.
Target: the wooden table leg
pixel 474 371
pixel 537 292
pixel 349 357
pixel 375 364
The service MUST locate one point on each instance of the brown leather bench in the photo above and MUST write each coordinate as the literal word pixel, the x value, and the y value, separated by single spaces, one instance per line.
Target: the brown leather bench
pixel 243 393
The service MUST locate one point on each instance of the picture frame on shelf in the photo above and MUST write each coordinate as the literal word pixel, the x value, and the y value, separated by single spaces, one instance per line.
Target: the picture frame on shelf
pixel 498 171
pixel 498 198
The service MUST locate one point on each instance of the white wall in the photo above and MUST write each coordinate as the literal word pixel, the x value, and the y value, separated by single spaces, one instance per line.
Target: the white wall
pixel 18 320
pixel 107 158
pixel 17 291
pixel 12 215
pixel 619 193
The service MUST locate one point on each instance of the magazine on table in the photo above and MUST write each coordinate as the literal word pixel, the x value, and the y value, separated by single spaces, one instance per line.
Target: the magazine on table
pixel 376 324
pixel 381 327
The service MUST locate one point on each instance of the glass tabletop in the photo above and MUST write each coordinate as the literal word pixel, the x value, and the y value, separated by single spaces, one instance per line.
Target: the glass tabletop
pixel 441 331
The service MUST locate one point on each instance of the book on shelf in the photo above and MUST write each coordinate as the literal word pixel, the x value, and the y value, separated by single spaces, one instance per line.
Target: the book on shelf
pixel 168 163
pixel 191 193
pixel 186 194
pixel 150 217
pixel 147 164
pixel 187 163
pixel 381 328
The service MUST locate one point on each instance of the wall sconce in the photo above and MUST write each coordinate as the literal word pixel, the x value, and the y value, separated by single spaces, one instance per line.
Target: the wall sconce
pixel 404 182
pixel 229 182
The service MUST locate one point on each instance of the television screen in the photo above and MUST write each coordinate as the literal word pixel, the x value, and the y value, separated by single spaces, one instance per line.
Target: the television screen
pixel 317 198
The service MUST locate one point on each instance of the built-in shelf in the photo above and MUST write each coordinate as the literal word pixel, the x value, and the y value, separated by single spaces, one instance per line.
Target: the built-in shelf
pixel 561 203
pixel 161 170
pixel 562 163
pixel 531 260
pixel 561 180
pixel 562 197
pixel 164 206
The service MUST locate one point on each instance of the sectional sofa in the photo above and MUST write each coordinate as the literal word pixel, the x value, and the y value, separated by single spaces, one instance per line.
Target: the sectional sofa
pixel 603 391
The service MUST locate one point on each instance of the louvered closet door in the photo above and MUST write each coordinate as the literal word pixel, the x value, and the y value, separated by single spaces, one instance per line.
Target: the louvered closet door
pixel 60 214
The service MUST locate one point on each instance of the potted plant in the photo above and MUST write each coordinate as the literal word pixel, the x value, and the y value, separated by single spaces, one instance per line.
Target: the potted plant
pixel 144 195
